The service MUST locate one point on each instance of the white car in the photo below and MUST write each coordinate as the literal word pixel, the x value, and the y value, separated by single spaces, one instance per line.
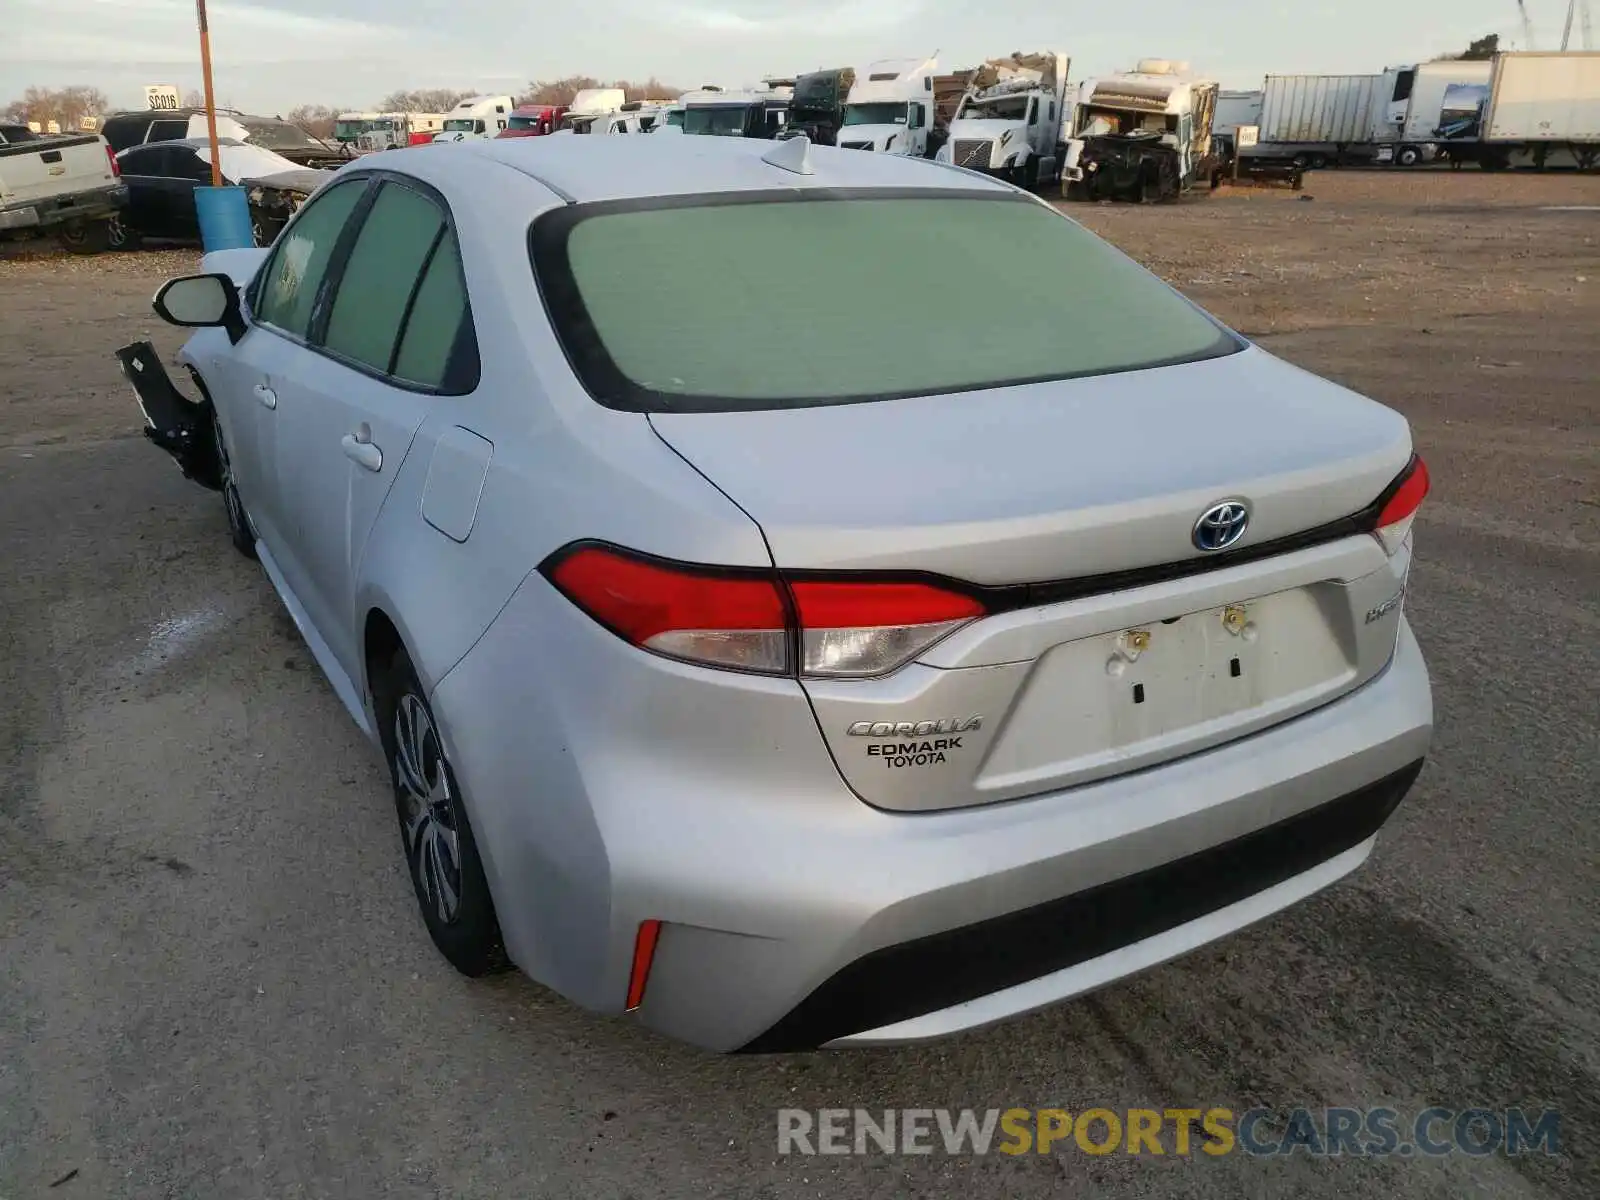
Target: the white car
pixel 858 685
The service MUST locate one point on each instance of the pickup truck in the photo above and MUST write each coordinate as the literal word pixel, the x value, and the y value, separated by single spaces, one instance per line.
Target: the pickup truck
pixel 68 186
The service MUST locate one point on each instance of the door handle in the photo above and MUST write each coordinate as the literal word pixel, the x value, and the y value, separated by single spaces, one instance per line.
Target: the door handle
pixel 267 397
pixel 362 452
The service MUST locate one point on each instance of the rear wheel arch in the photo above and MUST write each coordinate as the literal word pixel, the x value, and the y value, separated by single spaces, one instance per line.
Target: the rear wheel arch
pixel 380 641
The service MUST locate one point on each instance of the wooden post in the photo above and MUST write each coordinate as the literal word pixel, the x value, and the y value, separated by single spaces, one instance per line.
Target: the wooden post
pixel 211 100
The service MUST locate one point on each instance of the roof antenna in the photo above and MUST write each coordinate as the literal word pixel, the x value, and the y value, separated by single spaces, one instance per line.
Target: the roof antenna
pixel 791 154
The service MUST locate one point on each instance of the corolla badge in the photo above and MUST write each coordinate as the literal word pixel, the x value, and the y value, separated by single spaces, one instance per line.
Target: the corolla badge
pixel 1221 525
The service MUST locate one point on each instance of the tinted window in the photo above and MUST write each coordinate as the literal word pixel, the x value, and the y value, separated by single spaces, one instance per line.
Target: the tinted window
pixel 143 161
pixel 626 286
pixel 438 333
pixel 167 131
pixel 289 284
pixel 385 263
pixel 186 164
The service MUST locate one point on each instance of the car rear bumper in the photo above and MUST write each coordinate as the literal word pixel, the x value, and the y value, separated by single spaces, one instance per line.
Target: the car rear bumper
pixel 85 206
pixel 796 916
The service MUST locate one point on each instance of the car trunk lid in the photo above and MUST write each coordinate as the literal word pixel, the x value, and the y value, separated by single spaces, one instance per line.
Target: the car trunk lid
pixel 1112 643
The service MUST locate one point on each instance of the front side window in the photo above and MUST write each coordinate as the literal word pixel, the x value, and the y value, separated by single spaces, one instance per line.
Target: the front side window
pixel 625 284
pixel 287 291
pixel 387 259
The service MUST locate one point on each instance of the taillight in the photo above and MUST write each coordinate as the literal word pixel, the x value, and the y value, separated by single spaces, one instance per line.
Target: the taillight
pixel 1405 496
pixel 116 169
pixel 754 620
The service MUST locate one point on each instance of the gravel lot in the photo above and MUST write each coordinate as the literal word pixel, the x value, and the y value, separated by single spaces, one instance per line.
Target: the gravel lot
pixel 213 982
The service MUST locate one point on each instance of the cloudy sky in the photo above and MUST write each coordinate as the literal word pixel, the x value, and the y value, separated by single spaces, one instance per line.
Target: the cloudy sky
pixel 271 55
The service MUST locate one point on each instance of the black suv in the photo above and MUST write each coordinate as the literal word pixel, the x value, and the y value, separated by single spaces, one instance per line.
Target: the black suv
pixel 127 129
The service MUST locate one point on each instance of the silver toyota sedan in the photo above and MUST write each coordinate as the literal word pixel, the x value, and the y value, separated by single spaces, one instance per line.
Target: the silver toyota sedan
pixel 805 598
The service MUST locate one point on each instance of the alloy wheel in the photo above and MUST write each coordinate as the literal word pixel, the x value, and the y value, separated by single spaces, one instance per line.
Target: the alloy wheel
pixel 428 808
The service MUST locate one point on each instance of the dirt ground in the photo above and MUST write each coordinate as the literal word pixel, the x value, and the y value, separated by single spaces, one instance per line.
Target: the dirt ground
pixel 213 982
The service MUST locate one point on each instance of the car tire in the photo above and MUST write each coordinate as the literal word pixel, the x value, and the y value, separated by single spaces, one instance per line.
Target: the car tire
pixel 435 835
pixel 85 237
pixel 120 236
pixel 1409 156
pixel 240 531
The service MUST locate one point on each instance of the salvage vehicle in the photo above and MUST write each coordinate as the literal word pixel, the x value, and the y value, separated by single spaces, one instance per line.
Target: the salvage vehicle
pixel 786 700
pixel 476 117
pixel 161 178
pixel 1144 135
pixel 761 113
pixel 890 108
pixel 533 120
pixel 10 134
pixel 1010 121
pixel 62 185
pixel 126 129
pixel 1538 109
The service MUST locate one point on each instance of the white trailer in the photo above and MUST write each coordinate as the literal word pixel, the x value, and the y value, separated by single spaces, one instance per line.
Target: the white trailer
pixel 1010 121
pixel 1542 110
pixel 1315 120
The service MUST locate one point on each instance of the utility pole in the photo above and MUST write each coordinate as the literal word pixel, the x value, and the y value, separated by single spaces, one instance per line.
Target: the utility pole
pixel 211 99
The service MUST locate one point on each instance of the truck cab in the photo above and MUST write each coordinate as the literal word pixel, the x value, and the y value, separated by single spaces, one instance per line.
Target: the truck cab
pixel 1010 119
pixel 890 108
pixel 476 117
pixel 1142 135
pixel 757 113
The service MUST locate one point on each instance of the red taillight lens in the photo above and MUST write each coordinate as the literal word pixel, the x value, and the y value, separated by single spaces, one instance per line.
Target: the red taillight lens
pixel 116 169
pixel 744 620
pixel 1406 494
pixel 723 619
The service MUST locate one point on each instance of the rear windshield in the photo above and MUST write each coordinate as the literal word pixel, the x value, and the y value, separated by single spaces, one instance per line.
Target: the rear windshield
pixel 769 300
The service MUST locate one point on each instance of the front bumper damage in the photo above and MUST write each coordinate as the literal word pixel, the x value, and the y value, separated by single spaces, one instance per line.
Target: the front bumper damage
pixel 180 426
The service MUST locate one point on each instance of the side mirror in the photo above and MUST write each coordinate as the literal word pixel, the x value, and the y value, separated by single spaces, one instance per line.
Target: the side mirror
pixel 201 302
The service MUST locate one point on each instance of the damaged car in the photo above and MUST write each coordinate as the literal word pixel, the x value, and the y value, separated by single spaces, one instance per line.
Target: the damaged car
pixel 161 178
pixel 777 700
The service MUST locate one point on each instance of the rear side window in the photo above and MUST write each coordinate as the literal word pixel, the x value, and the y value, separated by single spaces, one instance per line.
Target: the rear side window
pixel 669 305
pixel 299 263
pixel 438 333
pixel 167 131
pixel 374 291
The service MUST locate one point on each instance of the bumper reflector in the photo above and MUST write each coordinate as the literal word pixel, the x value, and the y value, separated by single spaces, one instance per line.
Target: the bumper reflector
pixel 644 952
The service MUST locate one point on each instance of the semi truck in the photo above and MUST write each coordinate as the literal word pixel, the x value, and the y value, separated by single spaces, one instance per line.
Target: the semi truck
pixel 1010 119
pixel 817 102
pixel 891 108
pixel 1318 120
pixel 1437 88
pixel 1143 135
pixel 752 113
pixel 476 117
pixel 1541 109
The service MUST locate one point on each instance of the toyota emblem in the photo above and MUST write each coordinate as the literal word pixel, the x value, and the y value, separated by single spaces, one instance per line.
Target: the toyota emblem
pixel 1221 525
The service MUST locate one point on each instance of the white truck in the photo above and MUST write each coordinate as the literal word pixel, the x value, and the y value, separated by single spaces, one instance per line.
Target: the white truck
pixel 588 107
pixel 752 113
pixel 1143 135
pixel 1317 120
pixel 1009 122
pixel 476 117
pixel 1440 93
pixel 68 186
pixel 1541 109
pixel 890 108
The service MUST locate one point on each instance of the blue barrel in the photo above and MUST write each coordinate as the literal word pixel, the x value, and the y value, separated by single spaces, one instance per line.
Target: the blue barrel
pixel 224 214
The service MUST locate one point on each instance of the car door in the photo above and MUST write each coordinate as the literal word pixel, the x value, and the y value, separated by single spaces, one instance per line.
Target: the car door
pixel 142 174
pixel 281 301
pixel 391 335
pixel 185 172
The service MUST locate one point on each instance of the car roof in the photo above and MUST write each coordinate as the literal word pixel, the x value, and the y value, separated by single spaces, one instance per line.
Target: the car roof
pixel 194 143
pixel 583 169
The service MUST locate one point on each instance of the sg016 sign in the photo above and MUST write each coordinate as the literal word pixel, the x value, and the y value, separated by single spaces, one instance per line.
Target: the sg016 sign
pixel 161 97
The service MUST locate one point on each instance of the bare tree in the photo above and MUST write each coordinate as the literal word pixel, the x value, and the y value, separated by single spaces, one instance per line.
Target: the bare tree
pixel 315 119
pixel 425 100
pixel 194 98
pixel 562 91
pixel 67 106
